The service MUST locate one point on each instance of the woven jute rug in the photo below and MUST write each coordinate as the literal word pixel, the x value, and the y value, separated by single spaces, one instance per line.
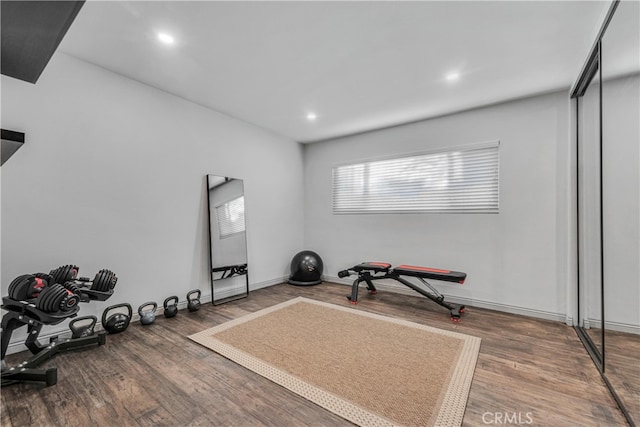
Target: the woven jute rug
pixel 370 369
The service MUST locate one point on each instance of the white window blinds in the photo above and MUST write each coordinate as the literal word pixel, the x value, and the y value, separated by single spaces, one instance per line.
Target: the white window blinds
pixel 462 180
pixel 231 217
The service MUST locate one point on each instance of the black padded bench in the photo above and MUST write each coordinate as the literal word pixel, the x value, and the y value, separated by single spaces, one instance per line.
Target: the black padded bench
pixel 369 271
pixel 230 270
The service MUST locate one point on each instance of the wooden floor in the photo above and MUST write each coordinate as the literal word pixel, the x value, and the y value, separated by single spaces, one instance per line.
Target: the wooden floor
pixel 622 367
pixel 154 375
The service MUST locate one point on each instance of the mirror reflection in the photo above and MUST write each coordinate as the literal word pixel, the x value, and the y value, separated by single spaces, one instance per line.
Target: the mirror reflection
pixel 621 155
pixel 227 236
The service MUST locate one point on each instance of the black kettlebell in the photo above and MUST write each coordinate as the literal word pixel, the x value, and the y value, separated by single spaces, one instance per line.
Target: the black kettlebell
pixel 193 303
pixel 147 315
pixel 117 322
pixel 83 330
pixel 171 306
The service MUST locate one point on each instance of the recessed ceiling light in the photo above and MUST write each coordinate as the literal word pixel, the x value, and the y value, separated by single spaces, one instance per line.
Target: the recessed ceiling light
pixel 311 116
pixel 166 38
pixel 452 77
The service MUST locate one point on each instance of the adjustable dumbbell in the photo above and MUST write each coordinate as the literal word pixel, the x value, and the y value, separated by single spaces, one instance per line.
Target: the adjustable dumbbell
pixel 29 286
pixel 55 298
pixel 64 273
pixel 104 280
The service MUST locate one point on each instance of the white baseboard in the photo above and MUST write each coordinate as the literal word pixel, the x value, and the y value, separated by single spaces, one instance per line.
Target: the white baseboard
pixel 613 326
pixel 267 283
pixel 622 327
pixel 17 345
pixel 559 317
pixel 232 290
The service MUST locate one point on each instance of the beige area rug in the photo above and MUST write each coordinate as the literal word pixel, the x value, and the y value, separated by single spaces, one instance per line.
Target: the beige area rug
pixel 370 369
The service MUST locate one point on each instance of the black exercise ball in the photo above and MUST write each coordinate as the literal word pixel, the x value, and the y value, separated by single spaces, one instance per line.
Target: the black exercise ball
pixel 306 269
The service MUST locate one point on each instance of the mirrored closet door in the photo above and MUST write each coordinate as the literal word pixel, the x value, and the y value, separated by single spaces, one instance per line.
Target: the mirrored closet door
pixel 589 225
pixel 607 101
pixel 620 47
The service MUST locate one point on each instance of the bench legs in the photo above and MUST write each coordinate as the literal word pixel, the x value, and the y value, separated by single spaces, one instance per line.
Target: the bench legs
pixel 435 296
pixel 432 293
pixel 366 277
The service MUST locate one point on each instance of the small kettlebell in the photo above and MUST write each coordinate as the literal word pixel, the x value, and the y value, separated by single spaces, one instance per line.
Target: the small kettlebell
pixel 84 329
pixel 147 316
pixel 171 306
pixel 193 302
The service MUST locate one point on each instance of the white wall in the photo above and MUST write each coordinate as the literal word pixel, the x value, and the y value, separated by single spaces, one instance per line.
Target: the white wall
pixel 516 260
pixel 112 175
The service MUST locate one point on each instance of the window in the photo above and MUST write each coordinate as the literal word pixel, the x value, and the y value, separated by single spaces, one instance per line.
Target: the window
pixel 231 217
pixel 463 180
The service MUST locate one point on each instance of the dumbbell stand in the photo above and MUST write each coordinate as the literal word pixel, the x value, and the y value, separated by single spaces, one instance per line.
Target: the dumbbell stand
pixel 18 375
pixel 27 371
pixel 23 313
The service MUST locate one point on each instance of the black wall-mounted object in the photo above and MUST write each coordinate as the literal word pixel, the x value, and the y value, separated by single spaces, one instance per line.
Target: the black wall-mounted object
pixel 11 141
pixel 31 32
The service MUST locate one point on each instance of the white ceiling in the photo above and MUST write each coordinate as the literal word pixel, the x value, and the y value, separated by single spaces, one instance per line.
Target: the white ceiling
pixel 358 65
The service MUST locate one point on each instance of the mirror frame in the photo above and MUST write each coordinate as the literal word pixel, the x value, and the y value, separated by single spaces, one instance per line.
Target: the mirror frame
pixel 225 272
pixel 596 351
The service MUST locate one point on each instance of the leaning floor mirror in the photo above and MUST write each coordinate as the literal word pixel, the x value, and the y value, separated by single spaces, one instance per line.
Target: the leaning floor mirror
pixel 227 239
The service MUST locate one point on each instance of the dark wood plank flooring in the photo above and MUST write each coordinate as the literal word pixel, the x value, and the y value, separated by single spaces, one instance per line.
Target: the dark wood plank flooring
pixel 622 367
pixel 155 375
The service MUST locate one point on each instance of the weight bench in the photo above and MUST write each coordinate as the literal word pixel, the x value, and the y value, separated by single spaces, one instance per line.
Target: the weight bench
pixel 369 271
pixel 230 270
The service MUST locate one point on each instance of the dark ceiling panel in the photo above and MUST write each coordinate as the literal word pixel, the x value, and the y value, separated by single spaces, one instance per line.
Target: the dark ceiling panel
pixel 31 32
pixel 11 141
